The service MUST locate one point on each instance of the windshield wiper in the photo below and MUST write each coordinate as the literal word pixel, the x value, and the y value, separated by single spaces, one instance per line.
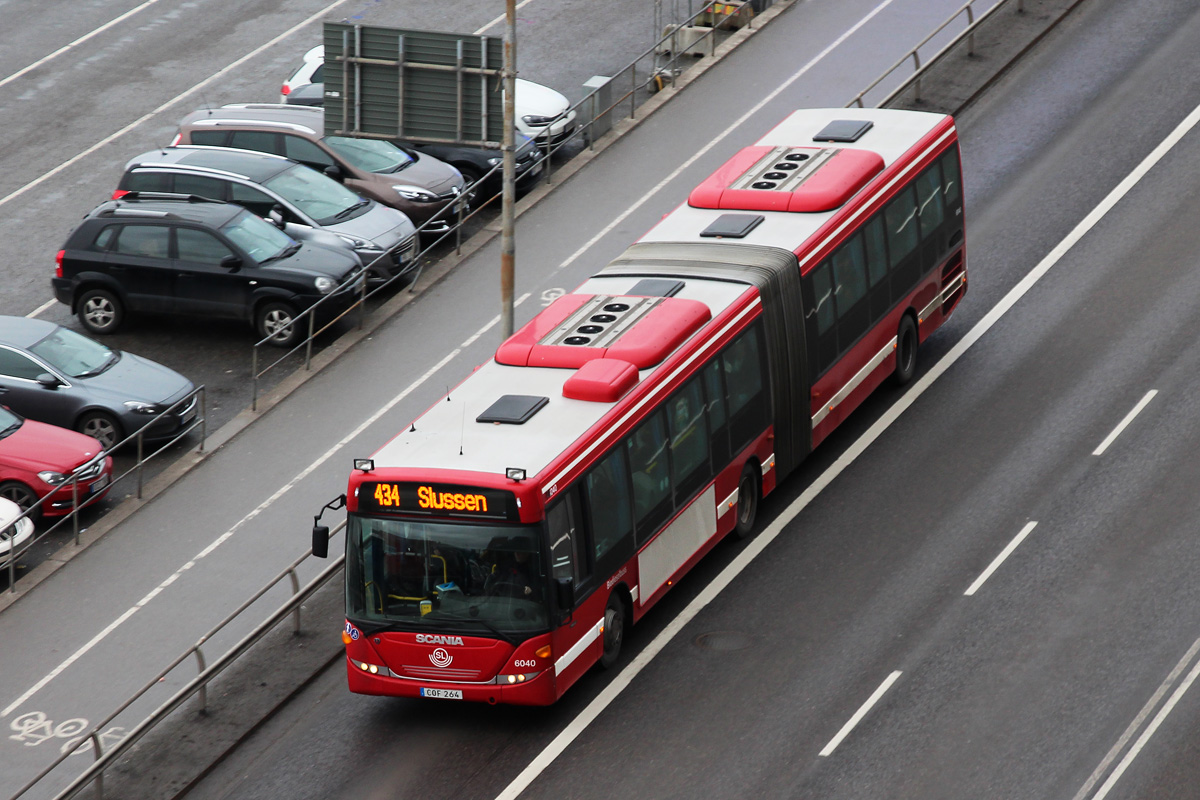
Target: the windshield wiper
pixel 290 250
pixel 10 429
pixel 112 359
pixel 345 212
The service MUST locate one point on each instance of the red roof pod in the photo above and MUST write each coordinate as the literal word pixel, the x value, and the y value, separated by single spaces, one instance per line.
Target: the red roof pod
pixel 601 380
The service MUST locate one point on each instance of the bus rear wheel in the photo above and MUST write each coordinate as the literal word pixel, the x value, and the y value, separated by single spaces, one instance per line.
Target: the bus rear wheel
pixel 747 502
pixel 614 630
pixel 906 351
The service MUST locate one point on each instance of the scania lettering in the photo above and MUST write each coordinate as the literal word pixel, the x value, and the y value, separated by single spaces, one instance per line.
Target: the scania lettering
pixel 555 496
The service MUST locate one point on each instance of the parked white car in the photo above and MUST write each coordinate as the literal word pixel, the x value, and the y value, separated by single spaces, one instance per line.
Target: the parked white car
pixel 13 535
pixel 543 114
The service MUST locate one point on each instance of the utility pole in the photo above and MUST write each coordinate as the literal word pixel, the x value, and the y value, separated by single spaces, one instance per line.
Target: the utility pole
pixel 509 191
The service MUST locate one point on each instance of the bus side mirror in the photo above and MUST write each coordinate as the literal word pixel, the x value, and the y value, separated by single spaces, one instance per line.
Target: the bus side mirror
pixel 320 541
pixel 564 593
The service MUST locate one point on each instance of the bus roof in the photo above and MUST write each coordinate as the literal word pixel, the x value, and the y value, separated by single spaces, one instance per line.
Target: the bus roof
pixel 803 174
pixel 449 437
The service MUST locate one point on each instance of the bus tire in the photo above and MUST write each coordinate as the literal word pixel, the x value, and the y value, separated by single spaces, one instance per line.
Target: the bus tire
pixel 906 351
pixel 614 630
pixel 747 502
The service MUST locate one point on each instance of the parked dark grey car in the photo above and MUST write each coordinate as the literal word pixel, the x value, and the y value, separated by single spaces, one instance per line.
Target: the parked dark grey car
pixel 53 374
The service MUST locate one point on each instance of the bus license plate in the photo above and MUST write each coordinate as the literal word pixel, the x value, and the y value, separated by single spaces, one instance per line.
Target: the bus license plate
pixel 442 694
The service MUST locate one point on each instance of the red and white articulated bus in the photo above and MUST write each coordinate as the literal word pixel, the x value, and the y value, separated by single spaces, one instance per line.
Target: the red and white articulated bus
pixel 499 546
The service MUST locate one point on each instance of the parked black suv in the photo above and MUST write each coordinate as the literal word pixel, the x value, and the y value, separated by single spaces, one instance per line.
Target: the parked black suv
pixel 179 254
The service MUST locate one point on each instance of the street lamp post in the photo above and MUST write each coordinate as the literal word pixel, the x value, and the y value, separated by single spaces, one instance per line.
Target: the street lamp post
pixel 508 192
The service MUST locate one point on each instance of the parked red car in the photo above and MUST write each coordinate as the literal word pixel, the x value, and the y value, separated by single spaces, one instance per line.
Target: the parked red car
pixel 36 459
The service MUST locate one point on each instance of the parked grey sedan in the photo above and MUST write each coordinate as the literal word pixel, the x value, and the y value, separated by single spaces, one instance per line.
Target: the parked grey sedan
pixel 53 374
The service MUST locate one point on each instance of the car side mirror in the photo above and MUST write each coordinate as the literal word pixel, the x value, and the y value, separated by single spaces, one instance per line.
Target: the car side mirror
pixel 335 172
pixel 48 381
pixel 275 217
pixel 232 263
pixel 320 541
pixel 564 593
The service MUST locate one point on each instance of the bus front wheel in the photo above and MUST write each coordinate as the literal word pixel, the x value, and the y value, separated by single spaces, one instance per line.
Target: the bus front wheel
pixel 906 351
pixel 614 630
pixel 747 500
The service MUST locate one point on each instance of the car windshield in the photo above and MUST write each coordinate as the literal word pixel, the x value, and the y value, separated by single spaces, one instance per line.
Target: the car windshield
pixel 321 198
pixel 420 575
pixel 73 354
pixel 9 422
pixel 257 237
pixel 371 155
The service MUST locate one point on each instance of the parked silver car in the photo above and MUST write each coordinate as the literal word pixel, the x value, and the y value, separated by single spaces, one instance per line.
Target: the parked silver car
pixel 296 197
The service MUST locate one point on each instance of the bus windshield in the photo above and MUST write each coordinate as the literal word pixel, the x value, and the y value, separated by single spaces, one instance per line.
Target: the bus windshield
pixel 444 576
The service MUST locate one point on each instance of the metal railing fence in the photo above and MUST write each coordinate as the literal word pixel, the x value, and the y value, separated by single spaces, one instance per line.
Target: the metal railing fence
pixel 137 439
pixel 198 685
pixel 914 54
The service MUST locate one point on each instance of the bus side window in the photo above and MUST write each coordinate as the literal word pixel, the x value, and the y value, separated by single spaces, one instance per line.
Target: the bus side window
pixel 714 389
pixel 610 524
pixel 649 463
pixel 850 277
pixel 819 318
pixel 744 372
pixel 932 212
pixel 951 183
pixel 877 267
pixel 903 237
pixel 568 556
pixel 689 441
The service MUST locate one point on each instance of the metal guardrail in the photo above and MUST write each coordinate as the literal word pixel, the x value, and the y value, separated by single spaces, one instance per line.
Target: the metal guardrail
pixel 196 686
pixel 915 53
pixel 78 505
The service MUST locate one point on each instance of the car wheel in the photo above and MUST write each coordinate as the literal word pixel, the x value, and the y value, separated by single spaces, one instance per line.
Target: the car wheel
pixel 100 311
pixel 747 502
pixel 614 631
pixel 470 178
pixel 101 426
pixel 22 495
pixel 275 322
pixel 906 351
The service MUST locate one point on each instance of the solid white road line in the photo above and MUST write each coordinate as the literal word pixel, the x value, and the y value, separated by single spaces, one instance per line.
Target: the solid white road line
pixel 77 42
pixel 44 306
pixel 768 535
pixel 858 715
pixel 1138 720
pixel 261 508
pixel 1145 737
pixel 1099 451
pixel 1020 537
pixel 173 101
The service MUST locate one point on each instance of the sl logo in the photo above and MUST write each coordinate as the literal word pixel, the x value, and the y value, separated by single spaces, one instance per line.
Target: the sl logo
pixel 440 657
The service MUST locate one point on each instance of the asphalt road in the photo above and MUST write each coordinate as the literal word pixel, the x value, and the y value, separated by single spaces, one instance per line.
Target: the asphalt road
pixel 1064 670
pixel 1021 689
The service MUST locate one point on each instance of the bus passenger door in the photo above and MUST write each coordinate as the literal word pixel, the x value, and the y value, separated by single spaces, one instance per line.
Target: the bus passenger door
pixel 568 562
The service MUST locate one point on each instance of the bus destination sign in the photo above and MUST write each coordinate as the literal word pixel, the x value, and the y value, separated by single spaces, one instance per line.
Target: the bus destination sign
pixel 404 497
